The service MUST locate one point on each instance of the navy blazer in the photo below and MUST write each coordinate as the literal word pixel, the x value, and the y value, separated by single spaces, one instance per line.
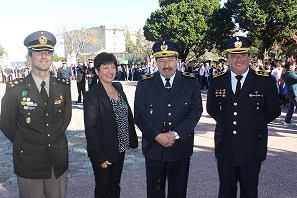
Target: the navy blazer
pixel 101 127
pixel 241 122
pixel 181 109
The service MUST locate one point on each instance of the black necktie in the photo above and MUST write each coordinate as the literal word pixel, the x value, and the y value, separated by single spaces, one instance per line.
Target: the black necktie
pixel 43 92
pixel 238 84
pixel 167 84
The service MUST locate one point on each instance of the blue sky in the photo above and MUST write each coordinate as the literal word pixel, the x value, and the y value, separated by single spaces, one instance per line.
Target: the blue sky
pixel 22 17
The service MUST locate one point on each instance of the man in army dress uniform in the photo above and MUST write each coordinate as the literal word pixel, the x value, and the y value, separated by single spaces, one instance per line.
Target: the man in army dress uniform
pixel 81 71
pixel 242 101
pixel 167 107
pixel 35 113
pixel 64 71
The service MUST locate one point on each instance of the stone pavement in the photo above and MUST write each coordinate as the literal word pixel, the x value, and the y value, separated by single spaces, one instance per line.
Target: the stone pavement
pixel 277 179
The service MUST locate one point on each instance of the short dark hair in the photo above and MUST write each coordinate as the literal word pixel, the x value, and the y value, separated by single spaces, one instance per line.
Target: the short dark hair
pixel 104 58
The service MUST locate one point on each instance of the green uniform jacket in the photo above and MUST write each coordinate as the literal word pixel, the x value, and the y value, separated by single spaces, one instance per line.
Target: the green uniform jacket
pixel 36 130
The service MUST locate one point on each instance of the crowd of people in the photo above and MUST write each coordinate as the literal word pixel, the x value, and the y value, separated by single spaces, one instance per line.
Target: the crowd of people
pixel 243 97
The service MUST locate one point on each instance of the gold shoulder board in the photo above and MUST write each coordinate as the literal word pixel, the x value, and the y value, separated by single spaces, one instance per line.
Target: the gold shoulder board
pixel 65 81
pixel 188 74
pixel 146 76
pixel 219 73
pixel 262 72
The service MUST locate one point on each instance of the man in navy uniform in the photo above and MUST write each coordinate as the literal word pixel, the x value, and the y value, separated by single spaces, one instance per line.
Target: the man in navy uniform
pixel 91 75
pixel 64 71
pixel 36 112
pixel 242 101
pixel 81 71
pixel 167 108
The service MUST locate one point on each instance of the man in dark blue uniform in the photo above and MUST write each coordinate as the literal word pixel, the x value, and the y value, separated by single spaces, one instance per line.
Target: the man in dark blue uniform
pixel 242 101
pixel 91 75
pixel 167 108
pixel 64 71
pixel 81 71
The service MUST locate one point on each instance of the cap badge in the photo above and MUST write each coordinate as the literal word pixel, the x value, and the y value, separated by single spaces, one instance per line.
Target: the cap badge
pixel 164 47
pixel 42 40
pixel 238 43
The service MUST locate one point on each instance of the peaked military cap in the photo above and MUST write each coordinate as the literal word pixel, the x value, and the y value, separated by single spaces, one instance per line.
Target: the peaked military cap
pixel 237 45
pixel 166 48
pixel 40 40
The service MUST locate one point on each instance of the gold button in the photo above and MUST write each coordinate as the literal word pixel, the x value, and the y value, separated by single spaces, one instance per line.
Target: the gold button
pixel 46 114
pixel 59 111
pixel 234 132
pixel 45 103
pixel 29 113
pixel 258 108
pixel 169 114
pixel 235 113
pixel 235 103
pixel 49 145
pixel 169 105
pixel 47 124
pixel 22 151
pixel 48 135
pixel 169 123
pixel 234 123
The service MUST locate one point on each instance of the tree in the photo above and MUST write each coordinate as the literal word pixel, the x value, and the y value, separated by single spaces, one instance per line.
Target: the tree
pixel 2 51
pixel 138 46
pixel 184 22
pixel 270 22
pixel 75 41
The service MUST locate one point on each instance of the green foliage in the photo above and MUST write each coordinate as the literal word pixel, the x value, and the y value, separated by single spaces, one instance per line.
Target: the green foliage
pixel 2 51
pixel 271 21
pixel 184 22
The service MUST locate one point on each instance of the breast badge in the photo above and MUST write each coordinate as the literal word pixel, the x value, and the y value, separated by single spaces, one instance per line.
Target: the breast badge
pixel 220 93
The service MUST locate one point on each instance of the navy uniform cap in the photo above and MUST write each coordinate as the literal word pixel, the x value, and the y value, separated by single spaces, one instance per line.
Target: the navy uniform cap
pixel 166 48
pixel 237 45
pixel 40 40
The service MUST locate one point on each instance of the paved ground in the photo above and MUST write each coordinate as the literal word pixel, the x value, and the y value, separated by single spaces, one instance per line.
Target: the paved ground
pixel 277 179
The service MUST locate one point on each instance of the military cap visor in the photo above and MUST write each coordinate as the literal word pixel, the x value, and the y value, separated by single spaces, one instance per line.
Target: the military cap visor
pixel 237 45
pixel 166 48
pixel 40 40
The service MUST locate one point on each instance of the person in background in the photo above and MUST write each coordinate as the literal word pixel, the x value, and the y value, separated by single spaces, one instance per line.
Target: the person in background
pixel 109 127
pixel 80 80
pixel 290 79
pixel 64 71
pixel 167 107
pixel 36 112
pixel 242 101
pixel 91 75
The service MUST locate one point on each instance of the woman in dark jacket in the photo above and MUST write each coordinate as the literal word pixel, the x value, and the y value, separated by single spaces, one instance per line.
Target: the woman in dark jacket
pixel 290 79
pixel 109 127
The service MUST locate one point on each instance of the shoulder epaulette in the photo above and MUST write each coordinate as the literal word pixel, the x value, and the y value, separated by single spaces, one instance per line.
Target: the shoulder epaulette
pixel 188 74
pixel 219 74
pixel 262 72
pixel 65 81
pixel 146 76
pixel 14 83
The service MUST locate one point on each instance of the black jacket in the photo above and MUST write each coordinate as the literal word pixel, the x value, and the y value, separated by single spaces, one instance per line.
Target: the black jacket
pixel 101 127
pixel 241 122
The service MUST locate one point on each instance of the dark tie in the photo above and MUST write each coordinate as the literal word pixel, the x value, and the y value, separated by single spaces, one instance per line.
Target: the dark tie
pixel 167 84
pixel 238 84
pixel 43 93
